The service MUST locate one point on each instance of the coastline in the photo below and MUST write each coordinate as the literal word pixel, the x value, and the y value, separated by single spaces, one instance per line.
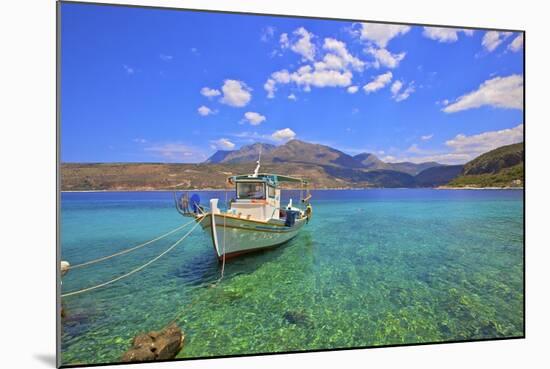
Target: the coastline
pixel 311 189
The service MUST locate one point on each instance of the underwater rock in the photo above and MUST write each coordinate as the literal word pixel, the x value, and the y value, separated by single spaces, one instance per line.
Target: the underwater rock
pixel 155 345
pixel 297 317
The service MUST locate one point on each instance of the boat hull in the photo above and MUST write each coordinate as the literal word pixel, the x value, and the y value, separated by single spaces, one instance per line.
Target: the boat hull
pixel 236 236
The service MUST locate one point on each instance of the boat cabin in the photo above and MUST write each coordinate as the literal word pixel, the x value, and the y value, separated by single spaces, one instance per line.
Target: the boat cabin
pixel 258 196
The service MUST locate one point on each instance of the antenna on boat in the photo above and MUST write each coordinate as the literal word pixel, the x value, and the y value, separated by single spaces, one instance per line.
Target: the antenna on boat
pixel 258 162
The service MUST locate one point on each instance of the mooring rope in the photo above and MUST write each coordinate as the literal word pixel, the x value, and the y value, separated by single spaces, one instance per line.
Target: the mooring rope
pixel 130 249
pixel 134 270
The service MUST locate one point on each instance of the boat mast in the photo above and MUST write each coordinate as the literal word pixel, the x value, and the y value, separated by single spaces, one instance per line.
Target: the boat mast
pixel 258 163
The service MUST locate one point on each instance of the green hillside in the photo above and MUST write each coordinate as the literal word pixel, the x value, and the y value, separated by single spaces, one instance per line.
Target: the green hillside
pixel 502 167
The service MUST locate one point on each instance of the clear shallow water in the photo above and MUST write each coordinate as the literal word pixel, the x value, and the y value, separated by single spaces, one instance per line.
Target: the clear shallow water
pixel 373 267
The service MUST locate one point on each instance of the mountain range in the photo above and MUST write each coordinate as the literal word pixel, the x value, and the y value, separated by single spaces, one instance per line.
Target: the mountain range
pixel 296 151
pixel 322 166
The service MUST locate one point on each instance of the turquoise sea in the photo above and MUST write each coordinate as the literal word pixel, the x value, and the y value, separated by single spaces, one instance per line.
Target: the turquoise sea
pixel 373 267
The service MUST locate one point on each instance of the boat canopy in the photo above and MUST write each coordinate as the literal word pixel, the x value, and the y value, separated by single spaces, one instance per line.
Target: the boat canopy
pixel 273 179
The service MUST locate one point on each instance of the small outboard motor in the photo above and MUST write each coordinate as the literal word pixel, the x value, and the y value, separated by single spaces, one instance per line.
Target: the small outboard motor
pixel 290 218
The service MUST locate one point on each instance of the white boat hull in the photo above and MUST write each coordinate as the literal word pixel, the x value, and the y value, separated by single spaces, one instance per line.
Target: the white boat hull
pixel 234 236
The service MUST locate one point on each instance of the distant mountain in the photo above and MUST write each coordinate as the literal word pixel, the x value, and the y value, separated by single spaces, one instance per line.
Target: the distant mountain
pixel 411 168
pixel 370 161
pixel 246 154
pixel 296 151
pixel 502 167
pixel 437 176
pixel 219 156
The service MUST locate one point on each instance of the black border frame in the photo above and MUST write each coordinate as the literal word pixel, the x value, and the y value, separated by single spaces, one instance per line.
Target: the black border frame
pixel 58 4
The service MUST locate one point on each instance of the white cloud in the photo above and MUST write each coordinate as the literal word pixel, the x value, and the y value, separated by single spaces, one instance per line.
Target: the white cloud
pixel 304 46
pixel 269 86
pixel 222 144
pixel 463 148
pixel 378 82
pixel 442 34
pixel 165 57
pixel 499 92
pixel 140 140
pixel 384 58
pixel 292 97
pixel 396 86
pixel 210 92
pixel 381 34
pixel 254 118
pixel 352 89
pixel 492 39
pixel 399 94
pixel 128 69
pixel 426 137
pixel 307 77
pixel 284 41
pixel 235 93
pixel 205 110
pixel 517 44
pixel 283 134
pixel 478 144
pixel 339 56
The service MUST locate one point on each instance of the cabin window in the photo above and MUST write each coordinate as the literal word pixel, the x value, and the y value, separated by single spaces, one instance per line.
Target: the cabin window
pixel 250 190
pixel 271 191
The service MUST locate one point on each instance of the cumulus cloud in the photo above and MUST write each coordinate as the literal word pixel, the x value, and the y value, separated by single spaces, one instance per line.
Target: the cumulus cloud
pixel 339 56
pixel 517 44
pixel 381 34
pixel 426 137
pixel 303 45
pixel 292 97
pixel 284 41
pixel 353 89
pixel 492 39
pixel 400 94
pixel 307 77
pixel 499 92
pixel 235 93
pixel 222 144
pixel 378 82
pixel 283 134
pixel 333 69
pixel 205 110
pixel 383 57
pixel 210 92
pixel 442 34
pixel 396 86
pixel 254 118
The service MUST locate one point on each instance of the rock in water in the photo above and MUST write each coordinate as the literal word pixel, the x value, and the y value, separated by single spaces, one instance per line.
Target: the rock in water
pixel 162 345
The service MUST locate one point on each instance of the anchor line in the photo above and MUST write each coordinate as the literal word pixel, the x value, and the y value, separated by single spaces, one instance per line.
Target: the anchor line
pixel 136 269
pixel 129 249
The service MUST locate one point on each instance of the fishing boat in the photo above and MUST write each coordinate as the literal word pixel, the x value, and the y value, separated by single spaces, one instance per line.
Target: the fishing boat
pixel 254 219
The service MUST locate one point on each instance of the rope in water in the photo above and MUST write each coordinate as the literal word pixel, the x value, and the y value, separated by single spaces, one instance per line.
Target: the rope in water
pixel 134 270
pixel 130 249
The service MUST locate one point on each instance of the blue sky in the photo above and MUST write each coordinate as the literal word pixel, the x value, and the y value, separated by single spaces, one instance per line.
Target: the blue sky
pixel 152 85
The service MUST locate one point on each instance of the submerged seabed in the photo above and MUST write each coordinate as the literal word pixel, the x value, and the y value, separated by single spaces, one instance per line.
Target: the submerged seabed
pixel 373 267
